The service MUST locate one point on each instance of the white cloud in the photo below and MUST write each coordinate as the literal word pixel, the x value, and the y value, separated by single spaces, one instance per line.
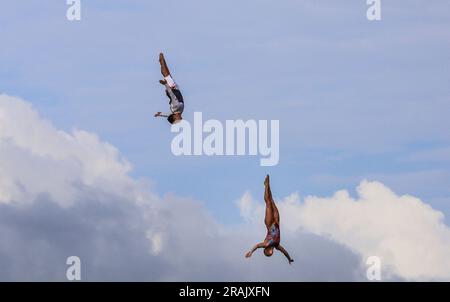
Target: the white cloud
pixel 37 158
pixel 407 234
pixel 65 194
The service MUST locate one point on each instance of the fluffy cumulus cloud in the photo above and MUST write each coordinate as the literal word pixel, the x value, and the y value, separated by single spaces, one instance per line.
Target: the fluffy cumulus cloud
pixel 64 194
pixel 37 158
pixel 408 235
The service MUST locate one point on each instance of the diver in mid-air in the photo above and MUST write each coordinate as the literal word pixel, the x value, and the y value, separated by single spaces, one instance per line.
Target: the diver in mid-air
pixel 176 102
pixel 272 221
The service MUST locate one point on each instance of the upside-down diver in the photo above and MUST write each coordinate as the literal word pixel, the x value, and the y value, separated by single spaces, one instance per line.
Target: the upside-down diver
pixel 176 102
pixel 272 221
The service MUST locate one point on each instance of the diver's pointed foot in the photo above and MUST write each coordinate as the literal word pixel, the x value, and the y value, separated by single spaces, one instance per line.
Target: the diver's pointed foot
pixel 267 180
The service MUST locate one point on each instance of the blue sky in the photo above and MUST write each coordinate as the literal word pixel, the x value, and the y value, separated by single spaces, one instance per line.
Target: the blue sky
pixel 355 99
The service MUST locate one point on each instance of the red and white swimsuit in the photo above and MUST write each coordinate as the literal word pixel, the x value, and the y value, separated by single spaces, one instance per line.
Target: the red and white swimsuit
pixel 273 235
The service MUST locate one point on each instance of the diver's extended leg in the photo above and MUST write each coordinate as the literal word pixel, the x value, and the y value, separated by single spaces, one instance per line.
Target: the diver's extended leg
pixel 276 214
pixel 164 68
pixel 269 218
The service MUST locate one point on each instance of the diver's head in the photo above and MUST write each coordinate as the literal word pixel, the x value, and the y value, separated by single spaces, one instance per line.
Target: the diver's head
pixel 268 251
pixel 174 118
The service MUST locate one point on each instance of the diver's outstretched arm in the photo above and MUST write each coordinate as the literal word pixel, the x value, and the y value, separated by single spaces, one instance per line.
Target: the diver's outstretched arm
pixel 258 246
pixel 281 249
pixel 160 114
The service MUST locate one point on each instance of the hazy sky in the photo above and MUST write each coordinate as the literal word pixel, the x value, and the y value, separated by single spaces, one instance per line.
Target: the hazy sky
pixel 355 99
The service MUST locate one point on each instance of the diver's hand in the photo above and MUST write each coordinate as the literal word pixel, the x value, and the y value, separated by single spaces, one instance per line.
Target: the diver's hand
pixel 158 114
pixel 291 260
pixel 249 254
